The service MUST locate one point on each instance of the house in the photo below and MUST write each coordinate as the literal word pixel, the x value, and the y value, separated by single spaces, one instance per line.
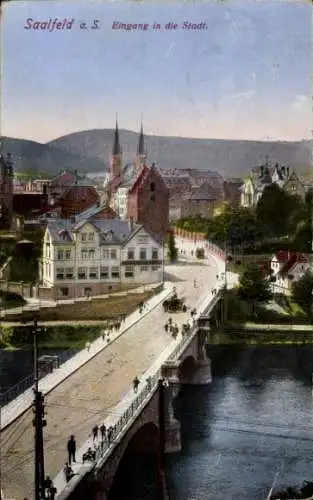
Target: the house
pixel 265 175
pixel 93 256
pixel 232 192
pixel 6 191
pixel 202 201
pixel 288 267
pixel 77 198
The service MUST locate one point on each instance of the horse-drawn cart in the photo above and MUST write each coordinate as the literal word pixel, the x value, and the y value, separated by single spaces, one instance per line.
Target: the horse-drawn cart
pixel 174 304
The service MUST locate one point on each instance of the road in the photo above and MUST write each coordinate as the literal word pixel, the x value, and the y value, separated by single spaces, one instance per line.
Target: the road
pixel 90 394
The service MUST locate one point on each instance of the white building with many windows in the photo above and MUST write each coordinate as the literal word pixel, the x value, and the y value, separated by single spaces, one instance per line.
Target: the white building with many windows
pixel 93 257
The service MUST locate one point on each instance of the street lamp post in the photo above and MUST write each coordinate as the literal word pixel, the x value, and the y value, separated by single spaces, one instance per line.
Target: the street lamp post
pixel 39 423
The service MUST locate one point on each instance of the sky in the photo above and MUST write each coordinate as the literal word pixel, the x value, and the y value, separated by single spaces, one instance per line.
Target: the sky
pixel 245 76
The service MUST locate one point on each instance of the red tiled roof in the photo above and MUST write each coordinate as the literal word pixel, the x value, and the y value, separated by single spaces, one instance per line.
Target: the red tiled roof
pixel 290 264
pixel 283 256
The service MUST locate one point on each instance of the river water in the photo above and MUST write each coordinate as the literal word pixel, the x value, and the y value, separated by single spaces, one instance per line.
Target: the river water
pixel 252 424
pixel 16 365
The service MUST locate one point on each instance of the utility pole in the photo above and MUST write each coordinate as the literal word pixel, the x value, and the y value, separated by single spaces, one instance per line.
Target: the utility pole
pixel 39 423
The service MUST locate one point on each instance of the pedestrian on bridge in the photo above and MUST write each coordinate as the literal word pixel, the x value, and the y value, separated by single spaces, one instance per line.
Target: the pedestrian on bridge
pixel 136 383
pixel 88 346
pixel 68 472
pixel 71 449
pixel 95 430
pixel 103 431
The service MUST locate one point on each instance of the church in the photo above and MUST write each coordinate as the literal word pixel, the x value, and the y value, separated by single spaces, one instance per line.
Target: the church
pixel 137 191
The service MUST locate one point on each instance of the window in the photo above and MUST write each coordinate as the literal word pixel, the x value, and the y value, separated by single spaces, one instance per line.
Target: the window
pixel 156 268
pixel 143 239
pixel 115 272
pixel 155 254
pixel 105 253
pixel 144 269
pixel 93 272
pixel 91 237
pixel 152 186
pixel 152 197
pixel 69 273
pixel 130 254
pixel 64 292
pixel 91 253
pixel 129 271
pixel 87 291
pixel 82 273
pixel 84 253
pixel 113 254
pixel 84 236
pixel 143 254
pixel 60 273
pixel 60 255
pixel 49 270
pixel 48 250
pixel 104 272
pixel 67 254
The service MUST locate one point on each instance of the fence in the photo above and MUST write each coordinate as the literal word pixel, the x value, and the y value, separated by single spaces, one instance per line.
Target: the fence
pixel 22 386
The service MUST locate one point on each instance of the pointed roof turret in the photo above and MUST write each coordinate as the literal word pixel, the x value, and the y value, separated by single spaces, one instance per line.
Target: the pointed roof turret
pixel 141 143
pixel 116 146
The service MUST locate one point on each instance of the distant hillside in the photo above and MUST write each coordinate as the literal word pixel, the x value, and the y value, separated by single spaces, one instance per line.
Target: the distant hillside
pixel 34 157
pixel 89 151
pixel 229 157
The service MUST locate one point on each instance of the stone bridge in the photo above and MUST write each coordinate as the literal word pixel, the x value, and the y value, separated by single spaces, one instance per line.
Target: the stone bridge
pixel 147 423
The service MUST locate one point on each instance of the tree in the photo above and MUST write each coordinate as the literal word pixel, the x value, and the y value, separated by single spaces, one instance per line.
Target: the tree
pixel 254 286
pixel 172 251
pixel 302 293
pixel 275 209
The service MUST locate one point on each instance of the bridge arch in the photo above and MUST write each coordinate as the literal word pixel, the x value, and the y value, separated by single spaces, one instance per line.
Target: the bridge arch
pixel 187 369
pixel 145 441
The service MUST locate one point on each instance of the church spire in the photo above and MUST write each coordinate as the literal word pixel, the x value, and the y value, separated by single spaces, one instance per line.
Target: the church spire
pixel 116 146
pixel 141 143
pixel 116 162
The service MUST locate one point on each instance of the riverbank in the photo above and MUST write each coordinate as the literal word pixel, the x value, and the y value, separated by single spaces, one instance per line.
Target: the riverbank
pixel 268 324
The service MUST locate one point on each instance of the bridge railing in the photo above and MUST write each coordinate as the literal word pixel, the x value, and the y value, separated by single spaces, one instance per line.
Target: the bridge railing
pixel 128 415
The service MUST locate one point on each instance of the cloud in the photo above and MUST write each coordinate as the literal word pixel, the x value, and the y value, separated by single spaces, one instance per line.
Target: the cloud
pixel 300 103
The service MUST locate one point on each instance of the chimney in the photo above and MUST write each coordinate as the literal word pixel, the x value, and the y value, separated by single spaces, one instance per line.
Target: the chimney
pixel 131 224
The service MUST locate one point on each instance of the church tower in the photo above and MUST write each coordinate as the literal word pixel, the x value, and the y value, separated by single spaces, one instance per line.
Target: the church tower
pixel 141 156
pixel 116 162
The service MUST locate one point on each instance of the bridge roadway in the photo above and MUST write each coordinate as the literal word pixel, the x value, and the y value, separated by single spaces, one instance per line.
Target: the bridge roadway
pixel 90 394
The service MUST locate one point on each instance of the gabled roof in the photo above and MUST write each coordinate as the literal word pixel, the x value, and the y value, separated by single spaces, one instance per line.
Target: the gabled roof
pixel 112 231
pixel 291 263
